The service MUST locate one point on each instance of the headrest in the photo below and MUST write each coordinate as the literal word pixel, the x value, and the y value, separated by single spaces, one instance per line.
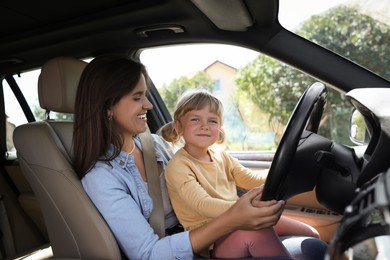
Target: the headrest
pixel 57 84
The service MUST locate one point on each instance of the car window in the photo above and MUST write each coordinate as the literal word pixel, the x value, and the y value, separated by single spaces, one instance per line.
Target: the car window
pixel 357 30
pixel 258 92
pixel 27 83
pixel 14 113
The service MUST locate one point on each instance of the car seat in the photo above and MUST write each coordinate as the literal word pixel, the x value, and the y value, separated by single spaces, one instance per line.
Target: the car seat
pixel 75 227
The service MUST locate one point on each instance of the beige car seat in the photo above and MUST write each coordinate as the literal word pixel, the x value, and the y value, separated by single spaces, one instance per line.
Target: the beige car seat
pixel 75 227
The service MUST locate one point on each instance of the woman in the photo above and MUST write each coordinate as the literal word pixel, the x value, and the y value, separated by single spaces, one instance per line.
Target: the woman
pixel 110 112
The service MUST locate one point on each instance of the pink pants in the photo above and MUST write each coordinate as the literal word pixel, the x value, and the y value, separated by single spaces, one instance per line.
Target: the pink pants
pixel 249 243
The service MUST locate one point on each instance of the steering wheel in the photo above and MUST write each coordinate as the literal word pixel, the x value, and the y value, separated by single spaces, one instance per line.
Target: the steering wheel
pixel 306 115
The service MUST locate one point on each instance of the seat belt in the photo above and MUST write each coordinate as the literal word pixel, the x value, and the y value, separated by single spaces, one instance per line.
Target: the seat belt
pixel 157 219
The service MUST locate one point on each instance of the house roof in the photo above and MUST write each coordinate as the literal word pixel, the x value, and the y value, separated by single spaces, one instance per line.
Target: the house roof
pixel 219 62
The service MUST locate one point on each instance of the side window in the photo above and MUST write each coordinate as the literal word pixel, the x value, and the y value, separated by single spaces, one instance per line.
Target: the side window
pixel 258 92
pixel 14 114
pixel 27 83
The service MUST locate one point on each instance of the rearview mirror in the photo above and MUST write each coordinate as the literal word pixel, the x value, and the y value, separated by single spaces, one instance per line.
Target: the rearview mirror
pixel 358 128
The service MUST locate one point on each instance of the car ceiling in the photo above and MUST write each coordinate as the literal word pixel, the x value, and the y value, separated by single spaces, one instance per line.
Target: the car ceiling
pixel 34 31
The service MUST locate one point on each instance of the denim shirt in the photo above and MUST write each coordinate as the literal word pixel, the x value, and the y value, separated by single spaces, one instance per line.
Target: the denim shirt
pixel 121 196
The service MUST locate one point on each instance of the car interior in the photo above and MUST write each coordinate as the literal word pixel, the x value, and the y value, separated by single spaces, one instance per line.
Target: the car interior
pixel 44 211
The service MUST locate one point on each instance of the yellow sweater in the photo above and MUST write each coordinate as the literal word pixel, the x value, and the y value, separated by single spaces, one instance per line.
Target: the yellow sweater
pixel 200 191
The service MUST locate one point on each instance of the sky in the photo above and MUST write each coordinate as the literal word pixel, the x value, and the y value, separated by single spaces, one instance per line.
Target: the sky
pixel 160 72
pixel 292 13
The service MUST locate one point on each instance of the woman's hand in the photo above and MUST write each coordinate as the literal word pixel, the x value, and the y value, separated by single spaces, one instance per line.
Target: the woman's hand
pixel 257 202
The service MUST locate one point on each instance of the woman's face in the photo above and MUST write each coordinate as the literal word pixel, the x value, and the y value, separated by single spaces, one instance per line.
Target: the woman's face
pixel 129 113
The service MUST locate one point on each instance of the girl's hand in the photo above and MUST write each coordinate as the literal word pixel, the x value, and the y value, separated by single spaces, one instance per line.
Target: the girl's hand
pixel 249 213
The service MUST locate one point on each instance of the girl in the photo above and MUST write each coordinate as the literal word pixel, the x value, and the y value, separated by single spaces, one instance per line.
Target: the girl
pixel 202 180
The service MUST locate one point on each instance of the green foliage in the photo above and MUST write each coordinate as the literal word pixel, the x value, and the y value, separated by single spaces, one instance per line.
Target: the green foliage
pixel 355 36
pixel 273 86
pixel 63 116
pixel 38 112
pixel 335 124
pixel 171 93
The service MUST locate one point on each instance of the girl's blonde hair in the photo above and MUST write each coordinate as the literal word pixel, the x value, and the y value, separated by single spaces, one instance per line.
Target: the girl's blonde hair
pixel 192 100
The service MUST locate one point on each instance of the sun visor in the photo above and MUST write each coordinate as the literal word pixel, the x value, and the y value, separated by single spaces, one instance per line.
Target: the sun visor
pixel 231 16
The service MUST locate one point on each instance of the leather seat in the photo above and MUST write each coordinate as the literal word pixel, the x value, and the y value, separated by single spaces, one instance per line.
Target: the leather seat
pixel 75 227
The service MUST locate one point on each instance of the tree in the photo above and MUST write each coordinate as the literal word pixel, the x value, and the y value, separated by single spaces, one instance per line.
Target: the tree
pixel 171 93
pixel 353 35
pixel 38 112
pixel 275 87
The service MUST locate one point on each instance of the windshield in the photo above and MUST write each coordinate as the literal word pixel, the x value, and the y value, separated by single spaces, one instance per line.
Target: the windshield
pixel 356 29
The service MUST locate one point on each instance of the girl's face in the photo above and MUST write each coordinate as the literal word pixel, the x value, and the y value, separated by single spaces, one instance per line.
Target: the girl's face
pixel 199 128
pixel 129 113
